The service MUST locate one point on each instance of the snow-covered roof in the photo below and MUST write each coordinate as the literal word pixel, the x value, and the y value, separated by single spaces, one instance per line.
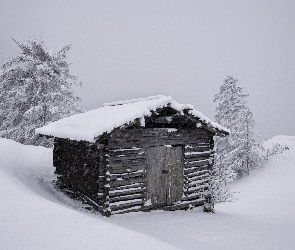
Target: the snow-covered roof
pixel 89 125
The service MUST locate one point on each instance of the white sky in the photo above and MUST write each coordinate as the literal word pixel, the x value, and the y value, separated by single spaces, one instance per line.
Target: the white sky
pixel 131 49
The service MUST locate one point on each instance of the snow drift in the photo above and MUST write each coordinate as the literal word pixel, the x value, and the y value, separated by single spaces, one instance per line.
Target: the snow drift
pixel 33 215
pixel 270 191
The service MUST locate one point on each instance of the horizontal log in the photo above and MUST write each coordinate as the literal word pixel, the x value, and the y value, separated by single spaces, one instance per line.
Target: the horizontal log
pixel 188 171
pixel 197 173
pixel 126 197
pixel 123 187
pixel 191 193
pixel 132 150
pixel 191 196
pixel 192 158
pixel 127 161
pixel 100 193
pixel 121 169
pixel 120 206
pixel 197 179
pixel 173 136
pixel 195 184
pixel 128 210
pixel 147 143
pixel 156 137
pixel 207 153
pixel 79 194
pixel 197 149
pixel 126 158
pixel 118 163
pixel 194 164
pixel 187 204
pixel 126 191
pixel 141 132
pixel 92 202
pixel 117 183
pixel 127 175
pixel 196 157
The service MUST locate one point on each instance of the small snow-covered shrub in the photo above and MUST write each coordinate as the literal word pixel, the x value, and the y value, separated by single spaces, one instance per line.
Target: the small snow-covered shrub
pixel 275 149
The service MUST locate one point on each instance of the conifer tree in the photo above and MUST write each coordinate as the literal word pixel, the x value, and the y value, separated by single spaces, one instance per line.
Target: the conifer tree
pixel 35 89
pixel 237 153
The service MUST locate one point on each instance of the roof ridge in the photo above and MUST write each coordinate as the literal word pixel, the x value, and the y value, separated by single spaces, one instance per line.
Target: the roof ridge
pixel 134 100
pixel 88 126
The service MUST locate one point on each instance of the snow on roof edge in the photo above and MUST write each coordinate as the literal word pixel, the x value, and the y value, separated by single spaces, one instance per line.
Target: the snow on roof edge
pixel 90 125
pixel 198 114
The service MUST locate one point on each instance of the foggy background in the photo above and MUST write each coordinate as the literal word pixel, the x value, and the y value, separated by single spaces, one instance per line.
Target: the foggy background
pixel 131 49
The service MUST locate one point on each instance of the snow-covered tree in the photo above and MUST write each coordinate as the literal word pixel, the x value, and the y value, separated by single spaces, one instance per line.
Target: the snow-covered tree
pixel 237 153
pixel 35 89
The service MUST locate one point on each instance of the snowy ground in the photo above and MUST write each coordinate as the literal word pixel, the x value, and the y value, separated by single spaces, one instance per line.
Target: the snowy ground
pixel 33 215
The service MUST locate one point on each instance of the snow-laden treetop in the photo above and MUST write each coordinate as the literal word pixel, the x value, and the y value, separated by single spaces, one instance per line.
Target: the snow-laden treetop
pixel 89 125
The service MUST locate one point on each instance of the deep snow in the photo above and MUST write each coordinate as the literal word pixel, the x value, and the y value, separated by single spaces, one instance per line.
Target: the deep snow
pixel 33 215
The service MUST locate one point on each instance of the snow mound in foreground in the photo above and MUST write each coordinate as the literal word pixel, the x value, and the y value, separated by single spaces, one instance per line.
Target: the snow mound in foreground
pixel 33 215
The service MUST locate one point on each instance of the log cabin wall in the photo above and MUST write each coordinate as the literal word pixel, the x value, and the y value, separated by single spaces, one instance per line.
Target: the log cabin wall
pixel 78 164
pixel 128 165
pixel 111 174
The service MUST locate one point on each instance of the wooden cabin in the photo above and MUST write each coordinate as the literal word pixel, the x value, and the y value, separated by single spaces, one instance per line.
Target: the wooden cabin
pixel 136 155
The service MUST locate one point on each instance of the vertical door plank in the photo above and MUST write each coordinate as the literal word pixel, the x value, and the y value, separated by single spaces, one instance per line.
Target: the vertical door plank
pixel 150 174
pixel 162 185
pixel 156 182
pixel 175 176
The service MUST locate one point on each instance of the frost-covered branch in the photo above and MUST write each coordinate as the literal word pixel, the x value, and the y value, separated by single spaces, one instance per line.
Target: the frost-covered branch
pixel 237 153
pixel 35 89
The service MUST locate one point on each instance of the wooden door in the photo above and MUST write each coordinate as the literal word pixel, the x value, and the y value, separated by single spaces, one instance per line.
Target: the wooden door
pixel 164 174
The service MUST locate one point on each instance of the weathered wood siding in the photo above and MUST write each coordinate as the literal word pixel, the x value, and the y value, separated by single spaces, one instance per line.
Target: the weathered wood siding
pixel 127 177
pixel 111 174
pixel 77 165
pixel 128 165
pixel 164 174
